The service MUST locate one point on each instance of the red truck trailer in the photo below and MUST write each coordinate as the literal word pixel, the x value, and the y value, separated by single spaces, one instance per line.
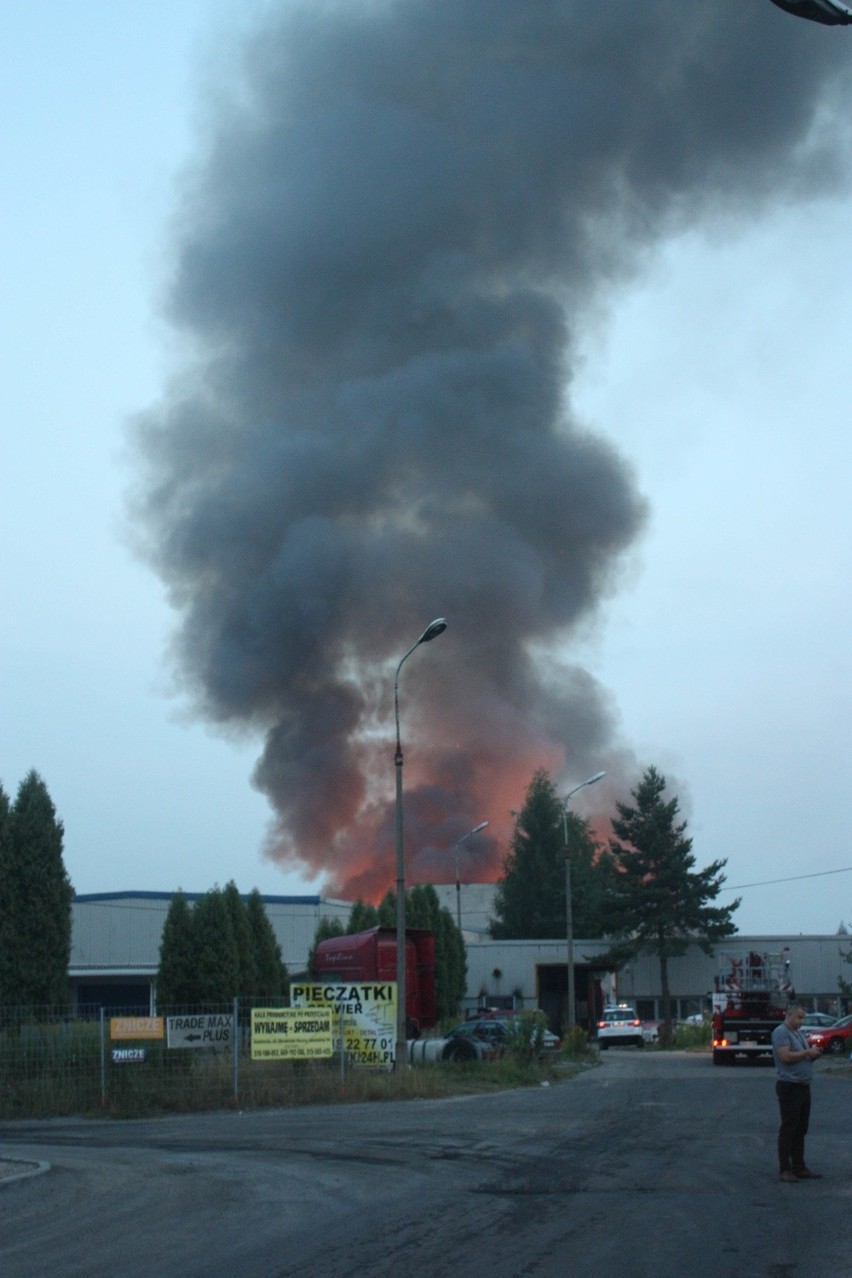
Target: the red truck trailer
pixel 750 998
pixel 371 956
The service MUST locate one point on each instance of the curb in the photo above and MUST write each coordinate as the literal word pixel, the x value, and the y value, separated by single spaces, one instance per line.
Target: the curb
pixel 19 1169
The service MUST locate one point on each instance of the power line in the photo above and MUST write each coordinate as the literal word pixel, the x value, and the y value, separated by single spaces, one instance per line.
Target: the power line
pixel 817 874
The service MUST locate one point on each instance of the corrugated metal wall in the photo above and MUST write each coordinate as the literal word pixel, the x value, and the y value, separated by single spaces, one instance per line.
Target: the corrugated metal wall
pixel 120 934
pixel 816 965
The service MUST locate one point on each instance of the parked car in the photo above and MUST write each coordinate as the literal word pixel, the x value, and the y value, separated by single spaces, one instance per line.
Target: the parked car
pixel 549 1040
pixel 817 1020
pixel 495 1033
pixel 834 1038
pixel 619 1024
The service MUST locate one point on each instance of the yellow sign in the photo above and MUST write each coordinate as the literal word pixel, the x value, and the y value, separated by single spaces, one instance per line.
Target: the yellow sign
pixel 136 1027
pixel 291 1033
pixel 368 1010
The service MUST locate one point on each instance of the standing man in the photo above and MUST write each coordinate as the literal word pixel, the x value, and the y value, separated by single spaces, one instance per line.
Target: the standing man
pixel 794 1064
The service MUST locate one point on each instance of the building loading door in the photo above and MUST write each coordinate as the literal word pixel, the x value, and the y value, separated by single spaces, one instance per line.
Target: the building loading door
pixel 552 983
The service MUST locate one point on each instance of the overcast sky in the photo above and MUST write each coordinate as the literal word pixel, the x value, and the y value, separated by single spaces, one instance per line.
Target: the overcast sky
pixel 721 373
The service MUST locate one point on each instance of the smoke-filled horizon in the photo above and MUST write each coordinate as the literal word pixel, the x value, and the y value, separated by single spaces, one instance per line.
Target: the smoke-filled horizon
pixel 401 217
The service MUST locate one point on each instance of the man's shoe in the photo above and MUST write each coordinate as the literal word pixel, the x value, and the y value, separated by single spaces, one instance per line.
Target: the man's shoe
pixel 807 1174
pixel 788 1177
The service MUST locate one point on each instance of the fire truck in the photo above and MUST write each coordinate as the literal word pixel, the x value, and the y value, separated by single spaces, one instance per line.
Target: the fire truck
pixel 751 994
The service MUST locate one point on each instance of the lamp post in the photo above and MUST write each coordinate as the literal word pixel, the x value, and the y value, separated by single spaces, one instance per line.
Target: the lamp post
pixel 432 631
pixel 456 847
pixel 569 912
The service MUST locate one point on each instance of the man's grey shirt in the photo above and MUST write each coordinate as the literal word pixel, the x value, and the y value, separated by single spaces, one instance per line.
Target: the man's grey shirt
pixel 798 1071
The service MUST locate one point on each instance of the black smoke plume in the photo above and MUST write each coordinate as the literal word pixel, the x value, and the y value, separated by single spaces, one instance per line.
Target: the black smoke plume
pixel 399 218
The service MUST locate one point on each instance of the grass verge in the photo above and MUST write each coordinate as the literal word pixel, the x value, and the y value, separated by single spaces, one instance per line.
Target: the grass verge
pixel 207 1084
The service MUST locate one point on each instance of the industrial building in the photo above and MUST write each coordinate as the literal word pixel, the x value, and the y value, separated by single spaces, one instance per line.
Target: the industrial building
pixel 116 940
pixel 533 973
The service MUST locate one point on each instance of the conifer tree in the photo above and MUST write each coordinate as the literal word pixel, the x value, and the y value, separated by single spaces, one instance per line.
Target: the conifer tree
pixel 216 960
pixel 35 900
pixel 387 909
pixel 326 929
pixel 529 902
pixel 176 983
pixel 8 963
pixel 243 940
pixel 222 947
pixel 451 966
pixel 361 917
pixel 423 909
pixel 272 980
pixel 5 810
pixel 660 902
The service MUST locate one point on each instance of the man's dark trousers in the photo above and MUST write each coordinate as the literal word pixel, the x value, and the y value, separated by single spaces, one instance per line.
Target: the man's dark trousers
pixel 794 1100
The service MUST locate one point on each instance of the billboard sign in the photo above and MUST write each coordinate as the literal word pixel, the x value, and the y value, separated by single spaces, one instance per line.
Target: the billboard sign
pixel 209 1030
pixel 368 1013
pixel 291 1033
pixel 130 1027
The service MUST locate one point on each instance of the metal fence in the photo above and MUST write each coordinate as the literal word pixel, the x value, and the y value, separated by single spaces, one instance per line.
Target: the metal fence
pixel 77 1060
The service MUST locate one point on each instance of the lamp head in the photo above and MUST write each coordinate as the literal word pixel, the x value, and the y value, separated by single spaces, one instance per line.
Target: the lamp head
pixel 435 628
pixel 583 784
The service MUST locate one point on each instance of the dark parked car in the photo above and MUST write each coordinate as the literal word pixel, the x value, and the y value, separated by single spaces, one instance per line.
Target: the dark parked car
pixel 493 1034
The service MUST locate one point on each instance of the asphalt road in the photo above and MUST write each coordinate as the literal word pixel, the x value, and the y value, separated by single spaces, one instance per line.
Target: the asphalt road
pixel 652 1164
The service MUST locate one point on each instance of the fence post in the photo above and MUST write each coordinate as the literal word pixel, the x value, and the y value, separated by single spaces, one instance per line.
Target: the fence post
pixel 103 1060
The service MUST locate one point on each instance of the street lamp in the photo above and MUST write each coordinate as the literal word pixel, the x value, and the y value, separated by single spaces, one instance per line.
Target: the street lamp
pixel 569 913
pixel 456 847
pixel 432 631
